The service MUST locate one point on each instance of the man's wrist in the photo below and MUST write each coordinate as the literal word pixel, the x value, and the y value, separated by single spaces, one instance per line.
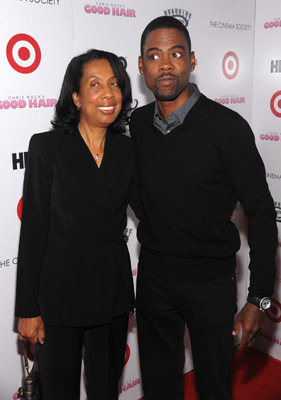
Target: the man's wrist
pixel 263 303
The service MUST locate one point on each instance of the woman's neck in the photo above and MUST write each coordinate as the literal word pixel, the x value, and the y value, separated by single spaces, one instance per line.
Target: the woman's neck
pixel 93 136
pixel 94 139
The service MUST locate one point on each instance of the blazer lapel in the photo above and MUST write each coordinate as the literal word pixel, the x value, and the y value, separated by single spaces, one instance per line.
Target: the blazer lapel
pixel 111 161
pixel 78 159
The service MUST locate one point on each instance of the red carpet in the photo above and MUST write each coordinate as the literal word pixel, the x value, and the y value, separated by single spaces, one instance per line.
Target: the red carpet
pixel 256 376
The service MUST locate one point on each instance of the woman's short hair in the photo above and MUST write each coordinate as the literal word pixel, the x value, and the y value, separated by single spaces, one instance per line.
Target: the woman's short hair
pixel 66 115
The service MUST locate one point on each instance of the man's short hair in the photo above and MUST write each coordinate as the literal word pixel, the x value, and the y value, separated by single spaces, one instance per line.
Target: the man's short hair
pixel 164 22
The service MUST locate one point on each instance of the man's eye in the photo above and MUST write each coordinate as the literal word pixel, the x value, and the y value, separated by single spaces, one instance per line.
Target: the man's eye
pixel 177 54
pixel 153 57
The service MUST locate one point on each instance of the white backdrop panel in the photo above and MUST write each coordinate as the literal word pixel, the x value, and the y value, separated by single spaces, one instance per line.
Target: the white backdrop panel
pixel 222 34
pixel 36 44
pixel 267 127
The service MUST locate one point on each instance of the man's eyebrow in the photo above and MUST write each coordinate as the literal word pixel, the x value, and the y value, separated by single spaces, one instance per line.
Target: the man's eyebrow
pixel 176 46
pixel 153 49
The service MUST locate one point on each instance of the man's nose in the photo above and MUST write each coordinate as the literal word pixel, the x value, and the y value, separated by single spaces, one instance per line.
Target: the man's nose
pixel 166 64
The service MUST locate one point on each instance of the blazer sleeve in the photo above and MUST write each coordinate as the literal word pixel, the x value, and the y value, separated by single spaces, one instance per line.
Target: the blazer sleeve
pixel 135 195
pixel 34 227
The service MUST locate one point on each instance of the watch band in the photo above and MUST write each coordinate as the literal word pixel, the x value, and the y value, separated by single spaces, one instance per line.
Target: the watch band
pixel 263 303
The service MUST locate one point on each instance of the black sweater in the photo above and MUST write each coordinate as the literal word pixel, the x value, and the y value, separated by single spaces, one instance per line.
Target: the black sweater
pixel 190 181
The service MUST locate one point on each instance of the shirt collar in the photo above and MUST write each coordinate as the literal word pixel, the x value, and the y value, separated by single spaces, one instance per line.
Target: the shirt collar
pixel 176 117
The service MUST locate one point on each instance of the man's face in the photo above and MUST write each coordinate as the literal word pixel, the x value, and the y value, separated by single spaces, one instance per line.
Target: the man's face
pixel 166 64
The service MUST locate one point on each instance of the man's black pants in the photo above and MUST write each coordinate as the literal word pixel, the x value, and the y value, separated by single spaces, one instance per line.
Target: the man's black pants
pixel 163 309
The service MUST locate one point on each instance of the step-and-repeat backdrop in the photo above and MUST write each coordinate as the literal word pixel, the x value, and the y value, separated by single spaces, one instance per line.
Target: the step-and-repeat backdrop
pixel 237 47
pixel 266 123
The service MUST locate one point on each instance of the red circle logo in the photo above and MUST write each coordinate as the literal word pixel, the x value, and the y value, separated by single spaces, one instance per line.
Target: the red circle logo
pixel 23 53
pixel 230 65
pixel 127 355
pixel 275 104
pixel 19 209
pixel 274 313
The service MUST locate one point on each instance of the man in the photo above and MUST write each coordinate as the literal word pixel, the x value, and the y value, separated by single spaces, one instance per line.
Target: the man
pixel 196 158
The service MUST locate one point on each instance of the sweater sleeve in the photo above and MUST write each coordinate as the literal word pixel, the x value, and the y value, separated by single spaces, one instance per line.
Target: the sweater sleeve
pixel 246 174
pixel 34 228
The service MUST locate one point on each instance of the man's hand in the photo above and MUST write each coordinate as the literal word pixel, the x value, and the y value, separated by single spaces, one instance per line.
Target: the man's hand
pixel 250 319
pixel 31 329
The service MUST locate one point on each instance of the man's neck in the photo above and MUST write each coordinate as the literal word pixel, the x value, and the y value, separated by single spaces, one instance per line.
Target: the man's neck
pixel 167 107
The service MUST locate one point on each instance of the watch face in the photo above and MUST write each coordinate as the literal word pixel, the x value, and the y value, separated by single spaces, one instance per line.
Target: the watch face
pixel 265 303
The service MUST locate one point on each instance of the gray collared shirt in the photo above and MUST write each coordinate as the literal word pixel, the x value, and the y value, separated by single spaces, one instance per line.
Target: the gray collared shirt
pixel 176 117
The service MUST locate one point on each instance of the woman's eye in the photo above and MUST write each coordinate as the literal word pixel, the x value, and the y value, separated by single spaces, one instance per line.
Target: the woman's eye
pixel 114 84
pixel 94 84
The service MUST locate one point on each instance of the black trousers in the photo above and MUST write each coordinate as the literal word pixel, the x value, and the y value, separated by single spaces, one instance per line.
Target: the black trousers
pixel 163 309
pixel 60 357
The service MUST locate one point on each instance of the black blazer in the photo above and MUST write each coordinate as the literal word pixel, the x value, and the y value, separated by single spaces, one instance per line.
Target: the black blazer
pixel 73 264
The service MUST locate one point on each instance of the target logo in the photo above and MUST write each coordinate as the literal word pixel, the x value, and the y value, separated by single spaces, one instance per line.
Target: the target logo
pixel 19 209
pixel 230 65
pixel 274 313
pixel 275 104
pixel 23 53
pixel 127 356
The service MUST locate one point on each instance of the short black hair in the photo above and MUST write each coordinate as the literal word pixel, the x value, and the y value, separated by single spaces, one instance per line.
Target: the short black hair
pixel 164 22
pixel 66 115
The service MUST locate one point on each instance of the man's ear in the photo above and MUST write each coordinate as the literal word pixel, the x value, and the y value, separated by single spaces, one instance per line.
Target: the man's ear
pixel 192 60
pixel 140 65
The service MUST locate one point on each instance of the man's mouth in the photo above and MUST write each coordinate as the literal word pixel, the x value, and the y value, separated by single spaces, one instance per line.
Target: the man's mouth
pixel 166 80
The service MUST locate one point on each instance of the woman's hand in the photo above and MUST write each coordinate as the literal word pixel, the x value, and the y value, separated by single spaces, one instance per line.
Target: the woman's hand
pixel 31 329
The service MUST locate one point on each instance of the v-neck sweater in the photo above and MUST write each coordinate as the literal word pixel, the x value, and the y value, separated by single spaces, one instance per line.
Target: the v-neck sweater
pixel 190 182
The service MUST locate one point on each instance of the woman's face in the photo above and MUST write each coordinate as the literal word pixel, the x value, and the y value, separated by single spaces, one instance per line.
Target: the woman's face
pixel 100 98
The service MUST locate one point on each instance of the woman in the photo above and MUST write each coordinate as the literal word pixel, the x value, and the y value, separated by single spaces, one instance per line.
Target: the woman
pixel 74 281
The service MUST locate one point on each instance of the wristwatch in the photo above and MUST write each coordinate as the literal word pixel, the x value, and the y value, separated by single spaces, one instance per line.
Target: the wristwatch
pixel 263 303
